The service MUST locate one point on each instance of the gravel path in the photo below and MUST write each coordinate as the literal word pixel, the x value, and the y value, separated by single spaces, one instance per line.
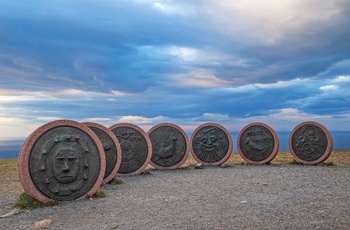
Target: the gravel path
pixel 237 197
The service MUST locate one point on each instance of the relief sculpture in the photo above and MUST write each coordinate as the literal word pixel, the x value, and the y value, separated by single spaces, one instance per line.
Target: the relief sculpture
pixel 65 161
pixel 167 149
pixel 128 140
pixel 169 144
pixel 64 164
pixel 135 148
pixel 257 143
pixel 309 142
pixel 210 144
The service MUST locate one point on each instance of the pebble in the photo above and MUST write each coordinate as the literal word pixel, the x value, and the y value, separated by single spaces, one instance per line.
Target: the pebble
pixel 42 224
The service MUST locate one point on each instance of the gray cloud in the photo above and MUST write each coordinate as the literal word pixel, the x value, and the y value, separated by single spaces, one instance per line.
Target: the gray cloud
pixel 174 59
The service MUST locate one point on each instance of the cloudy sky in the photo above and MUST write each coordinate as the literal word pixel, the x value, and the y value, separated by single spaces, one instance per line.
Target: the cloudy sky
pixel 184 61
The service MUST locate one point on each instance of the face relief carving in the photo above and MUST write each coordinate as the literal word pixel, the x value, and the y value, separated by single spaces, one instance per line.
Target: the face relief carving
pixel 209 141
pixel 65 165
pixel 210 144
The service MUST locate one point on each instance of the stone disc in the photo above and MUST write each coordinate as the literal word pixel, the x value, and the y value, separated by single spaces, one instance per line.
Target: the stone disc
pixel 61 160
pixel 211 144
pixel 111 149
pixel 170 146
pixel 136 148
pixel 310 143
pixel 257 143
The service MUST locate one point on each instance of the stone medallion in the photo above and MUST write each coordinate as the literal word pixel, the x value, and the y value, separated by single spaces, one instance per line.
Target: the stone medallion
pixel 257 143
pixel 136 148
pixel 170 146
pixel 310 143
pixel 211 144
pixel 111 148
pixel 61 160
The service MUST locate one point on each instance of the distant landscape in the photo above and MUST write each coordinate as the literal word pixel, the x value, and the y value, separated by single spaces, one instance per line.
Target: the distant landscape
pixel 10 148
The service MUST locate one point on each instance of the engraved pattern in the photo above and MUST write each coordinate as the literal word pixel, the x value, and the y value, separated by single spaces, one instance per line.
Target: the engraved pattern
pixel 64 163
pixel 134 149
pixel 309 142
pixel 256 143
pixel 168 146
pixel 210 144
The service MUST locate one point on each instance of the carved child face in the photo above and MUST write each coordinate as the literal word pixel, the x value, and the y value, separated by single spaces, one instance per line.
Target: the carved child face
pixel 209 141
pixel 65 165
pixel 209 144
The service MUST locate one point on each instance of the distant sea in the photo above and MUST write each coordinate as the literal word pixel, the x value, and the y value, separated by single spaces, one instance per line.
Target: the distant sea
pixel 10 148
pixel 341 141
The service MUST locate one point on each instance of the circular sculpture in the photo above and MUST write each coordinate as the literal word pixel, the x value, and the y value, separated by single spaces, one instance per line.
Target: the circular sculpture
pixel 211 144
pixel 61 160
pixel 136 148
pixel 257 143
pixel 111 147
pixel 169 146
pixel 310 143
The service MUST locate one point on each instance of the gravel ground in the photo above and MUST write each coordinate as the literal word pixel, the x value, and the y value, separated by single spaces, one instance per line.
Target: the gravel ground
pixel 237 197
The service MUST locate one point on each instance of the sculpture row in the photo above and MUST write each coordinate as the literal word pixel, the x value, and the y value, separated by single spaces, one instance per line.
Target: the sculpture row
pixel 67 160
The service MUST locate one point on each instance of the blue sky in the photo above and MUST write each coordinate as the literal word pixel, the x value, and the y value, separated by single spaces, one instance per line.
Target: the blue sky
pixel 184 62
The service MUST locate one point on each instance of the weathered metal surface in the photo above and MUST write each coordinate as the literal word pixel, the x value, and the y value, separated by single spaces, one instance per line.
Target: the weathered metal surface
pixel 257 143
pixel 310 143
pixel 169 146
pixel 136 148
